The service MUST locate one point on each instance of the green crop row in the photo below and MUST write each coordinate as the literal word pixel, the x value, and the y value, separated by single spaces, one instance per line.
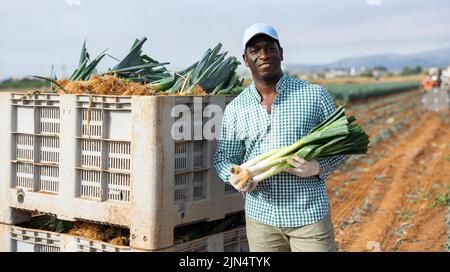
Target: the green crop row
pixel 351 92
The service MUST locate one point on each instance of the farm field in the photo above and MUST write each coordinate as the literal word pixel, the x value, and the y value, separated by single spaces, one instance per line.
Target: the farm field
pixel 395 198
pixel 365 80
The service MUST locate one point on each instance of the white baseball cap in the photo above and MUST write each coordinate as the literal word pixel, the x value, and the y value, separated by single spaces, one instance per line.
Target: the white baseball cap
pixel 256 29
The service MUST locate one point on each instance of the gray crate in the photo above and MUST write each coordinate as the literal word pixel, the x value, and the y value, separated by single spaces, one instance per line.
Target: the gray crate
pixel 109 159
pixel 436 99
pixel 18 239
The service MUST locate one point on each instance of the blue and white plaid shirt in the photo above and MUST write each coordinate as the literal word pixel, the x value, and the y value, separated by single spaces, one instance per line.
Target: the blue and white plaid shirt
pixel 284 200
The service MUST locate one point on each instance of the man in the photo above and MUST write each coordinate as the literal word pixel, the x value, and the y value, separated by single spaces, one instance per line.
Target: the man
pixel 289 211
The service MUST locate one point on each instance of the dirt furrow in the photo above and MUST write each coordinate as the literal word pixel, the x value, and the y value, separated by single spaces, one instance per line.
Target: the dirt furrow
pixel 381 221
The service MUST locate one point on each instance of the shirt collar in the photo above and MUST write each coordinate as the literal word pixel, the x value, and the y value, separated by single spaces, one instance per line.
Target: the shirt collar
pixel 281 86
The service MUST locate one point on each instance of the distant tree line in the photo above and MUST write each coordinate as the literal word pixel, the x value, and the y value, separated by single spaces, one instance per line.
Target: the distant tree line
pixel 406 71
pixel 23 83
pixel 411 70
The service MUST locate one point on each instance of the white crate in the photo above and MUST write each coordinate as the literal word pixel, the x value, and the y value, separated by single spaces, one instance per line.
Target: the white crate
pixel 109 159
pixel 18 239
pixel 228 241
pixel 436 99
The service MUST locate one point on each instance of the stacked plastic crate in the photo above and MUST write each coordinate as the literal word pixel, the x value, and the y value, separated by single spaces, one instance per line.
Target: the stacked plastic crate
pixel 17 239
pixel 111 160
pixel 437 99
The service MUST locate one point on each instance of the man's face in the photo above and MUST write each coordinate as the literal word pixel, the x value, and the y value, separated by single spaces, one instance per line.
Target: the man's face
pixel 263 56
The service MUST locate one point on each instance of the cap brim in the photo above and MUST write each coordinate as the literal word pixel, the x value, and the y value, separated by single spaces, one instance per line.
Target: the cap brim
pixel 258 34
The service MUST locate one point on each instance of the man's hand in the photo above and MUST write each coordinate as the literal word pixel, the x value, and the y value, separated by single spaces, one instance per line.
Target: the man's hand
pixel 249 185
pixel 302 167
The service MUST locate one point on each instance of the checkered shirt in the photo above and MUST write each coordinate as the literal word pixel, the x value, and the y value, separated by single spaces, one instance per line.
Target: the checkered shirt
pixel 248 130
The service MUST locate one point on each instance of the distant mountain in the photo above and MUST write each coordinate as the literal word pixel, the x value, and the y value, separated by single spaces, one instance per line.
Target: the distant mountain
pixel 393 62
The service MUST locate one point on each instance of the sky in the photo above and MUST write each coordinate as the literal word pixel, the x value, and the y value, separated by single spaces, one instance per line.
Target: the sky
pixel 34 35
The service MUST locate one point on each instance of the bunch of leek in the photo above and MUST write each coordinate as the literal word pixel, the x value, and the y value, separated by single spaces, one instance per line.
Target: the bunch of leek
pixel 135 66
pixel 212 73
pixel 337 135
pixel 86 68
pixel 138 67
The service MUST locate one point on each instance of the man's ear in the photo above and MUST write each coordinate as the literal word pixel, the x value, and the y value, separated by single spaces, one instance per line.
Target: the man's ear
pixel 281 53
pixel 244 57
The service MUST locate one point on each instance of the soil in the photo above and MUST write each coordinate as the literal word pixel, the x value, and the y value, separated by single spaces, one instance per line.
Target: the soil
pixel 388 200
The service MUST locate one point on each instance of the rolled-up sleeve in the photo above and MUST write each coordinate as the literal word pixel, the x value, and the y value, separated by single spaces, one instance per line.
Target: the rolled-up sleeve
pixel 229 147
pixel 328 164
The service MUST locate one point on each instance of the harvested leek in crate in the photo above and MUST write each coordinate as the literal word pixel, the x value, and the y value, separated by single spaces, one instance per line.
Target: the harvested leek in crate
pixel 139 74
pixel 129 77
pixel 212 74
pixel 337 135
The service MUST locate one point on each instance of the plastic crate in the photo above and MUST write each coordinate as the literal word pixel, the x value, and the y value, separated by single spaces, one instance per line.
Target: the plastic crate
pixel 228 241
pixel 18 239
pixel 35 136
pixel 110 159
pixel 436 99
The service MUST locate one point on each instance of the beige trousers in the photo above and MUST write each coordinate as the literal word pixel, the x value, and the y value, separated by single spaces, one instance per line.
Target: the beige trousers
pixel 317 237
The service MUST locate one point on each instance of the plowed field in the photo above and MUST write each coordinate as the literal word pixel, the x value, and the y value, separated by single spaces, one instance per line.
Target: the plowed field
pixel 395 197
